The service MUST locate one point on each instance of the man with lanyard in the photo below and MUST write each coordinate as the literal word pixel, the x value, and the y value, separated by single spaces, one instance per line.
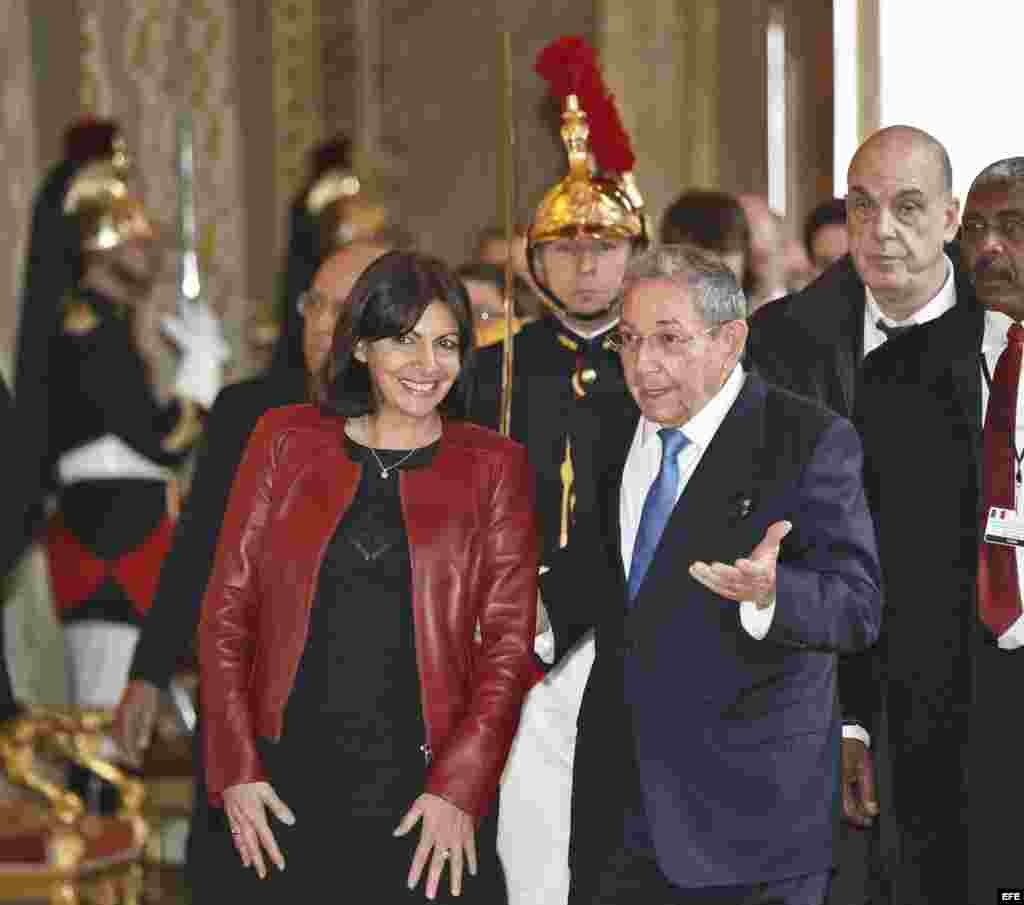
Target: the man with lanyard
pixel 950 653
pixel 569 397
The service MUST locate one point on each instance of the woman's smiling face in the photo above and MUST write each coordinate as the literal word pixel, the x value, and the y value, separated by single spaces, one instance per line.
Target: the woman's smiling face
pixel 411 374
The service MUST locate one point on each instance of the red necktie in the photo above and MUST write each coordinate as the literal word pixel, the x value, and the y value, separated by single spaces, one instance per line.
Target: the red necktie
pixel 999 602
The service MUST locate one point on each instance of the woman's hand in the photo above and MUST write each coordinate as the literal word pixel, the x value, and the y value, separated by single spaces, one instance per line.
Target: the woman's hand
pixel 246 805
pixel 447 834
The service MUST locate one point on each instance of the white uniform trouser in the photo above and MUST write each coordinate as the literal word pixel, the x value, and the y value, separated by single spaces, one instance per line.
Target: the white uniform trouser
pixel 99 657
pixel 536 787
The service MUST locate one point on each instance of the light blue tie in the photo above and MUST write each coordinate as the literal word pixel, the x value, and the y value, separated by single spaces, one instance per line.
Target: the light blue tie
pixel 661 500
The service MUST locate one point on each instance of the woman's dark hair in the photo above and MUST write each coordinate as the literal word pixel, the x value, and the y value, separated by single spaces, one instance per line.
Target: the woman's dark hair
pixel 388 300
pixel 710 220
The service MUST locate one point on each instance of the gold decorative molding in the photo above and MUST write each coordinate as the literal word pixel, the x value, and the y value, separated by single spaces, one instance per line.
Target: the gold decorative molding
pixel 205 36
pixel 92 98
pixel 295 49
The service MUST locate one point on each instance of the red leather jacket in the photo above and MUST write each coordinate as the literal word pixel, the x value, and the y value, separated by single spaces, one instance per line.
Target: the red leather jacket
pixel 473 547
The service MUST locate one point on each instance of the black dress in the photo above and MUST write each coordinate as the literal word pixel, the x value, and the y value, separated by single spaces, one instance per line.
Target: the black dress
pixel 350 761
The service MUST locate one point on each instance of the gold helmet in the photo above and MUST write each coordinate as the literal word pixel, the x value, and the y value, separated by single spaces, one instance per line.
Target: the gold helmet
pixel 108 214
pixel 340 205
pixel 583 204
pixel 598 198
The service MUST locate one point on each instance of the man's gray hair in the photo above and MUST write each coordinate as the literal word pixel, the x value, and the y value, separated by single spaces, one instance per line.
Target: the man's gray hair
pixel 1009 170
pixel 717 297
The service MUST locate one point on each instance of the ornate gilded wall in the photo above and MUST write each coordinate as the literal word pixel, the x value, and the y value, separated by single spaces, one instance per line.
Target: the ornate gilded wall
pixel 143 61
pixel 414 83
pixel 140 61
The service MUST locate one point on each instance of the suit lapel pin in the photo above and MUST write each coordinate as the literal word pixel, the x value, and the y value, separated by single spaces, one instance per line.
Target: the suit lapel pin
pixel 741 505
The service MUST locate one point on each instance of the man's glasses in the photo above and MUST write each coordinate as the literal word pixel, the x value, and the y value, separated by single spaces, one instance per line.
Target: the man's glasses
pixel 1010 229
pixel 665 342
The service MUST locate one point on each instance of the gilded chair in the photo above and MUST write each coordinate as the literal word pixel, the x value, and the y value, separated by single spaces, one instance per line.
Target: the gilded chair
pixel 50 850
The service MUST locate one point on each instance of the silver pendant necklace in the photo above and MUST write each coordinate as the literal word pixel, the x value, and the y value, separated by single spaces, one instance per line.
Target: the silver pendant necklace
pixel 385 471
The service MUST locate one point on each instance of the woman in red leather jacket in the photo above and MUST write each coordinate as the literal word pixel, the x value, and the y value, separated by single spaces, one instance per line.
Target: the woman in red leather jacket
pixel 367 633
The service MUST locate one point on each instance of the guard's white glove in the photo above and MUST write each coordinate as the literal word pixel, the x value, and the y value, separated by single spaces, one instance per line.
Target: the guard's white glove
pixel 200 339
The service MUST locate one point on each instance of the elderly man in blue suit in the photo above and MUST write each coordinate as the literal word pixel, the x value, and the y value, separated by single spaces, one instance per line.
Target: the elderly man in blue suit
pixel 732 558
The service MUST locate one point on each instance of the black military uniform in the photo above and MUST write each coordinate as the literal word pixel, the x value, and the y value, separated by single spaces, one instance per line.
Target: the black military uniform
pixel 105 568
pixel 103 442
pixel 568 395
pixel 569 402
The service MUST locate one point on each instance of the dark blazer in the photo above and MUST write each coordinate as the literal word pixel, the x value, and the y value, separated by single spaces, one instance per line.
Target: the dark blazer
pixel 473 545
pixel 812 342
pixel 949 697
pixel 734 739
pixel 169 628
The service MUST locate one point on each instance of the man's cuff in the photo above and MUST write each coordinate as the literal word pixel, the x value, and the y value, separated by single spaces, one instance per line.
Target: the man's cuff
pixel 755 620
pixel 544 645
pixel 855 730
pixel 1013 637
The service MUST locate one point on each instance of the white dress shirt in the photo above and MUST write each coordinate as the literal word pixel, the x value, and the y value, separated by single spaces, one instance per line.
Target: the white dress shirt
pixel 993 342
pixel 644 462
pixel 944 299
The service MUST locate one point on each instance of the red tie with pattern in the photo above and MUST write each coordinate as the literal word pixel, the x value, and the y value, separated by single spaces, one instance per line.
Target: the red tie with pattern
pixel 999 602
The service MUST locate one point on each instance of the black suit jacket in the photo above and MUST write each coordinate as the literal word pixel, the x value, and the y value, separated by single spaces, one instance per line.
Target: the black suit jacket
pixel 170 625
pixel 950 698
pixel 812 342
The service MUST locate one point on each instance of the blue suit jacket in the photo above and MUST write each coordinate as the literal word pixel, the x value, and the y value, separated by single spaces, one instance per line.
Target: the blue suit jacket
pixel 736 740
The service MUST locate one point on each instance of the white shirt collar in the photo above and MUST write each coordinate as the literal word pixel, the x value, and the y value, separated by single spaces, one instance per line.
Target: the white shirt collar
pixel 942 302
pixel 997 325
pixel 582 332
pixel 703 426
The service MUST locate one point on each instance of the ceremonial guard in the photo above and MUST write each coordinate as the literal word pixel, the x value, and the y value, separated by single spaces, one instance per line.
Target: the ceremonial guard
pixel 331 210
pixel 568 397
pixel 106 444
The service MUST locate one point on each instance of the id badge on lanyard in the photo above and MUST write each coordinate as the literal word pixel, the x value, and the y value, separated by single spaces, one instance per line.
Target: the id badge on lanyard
pixel 1004 526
